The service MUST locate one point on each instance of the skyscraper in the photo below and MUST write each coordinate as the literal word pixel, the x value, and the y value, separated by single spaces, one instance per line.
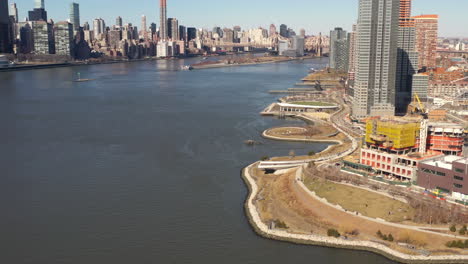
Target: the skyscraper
pixel 44 42
pixel 302 32
pixel 407 58
pixel 426 39
pixel 38 13
pixel 75 16
pixel 374 90
pixel 284 31
pixel 86 26
pixel 14 12
pixel 272 30
pixel 99 27
pixel 144 28
pixel 118 21
pixel 183 33
pixel 5 42
pixel 339 50
pixel 39 4
pixel 173 28
pixel 63 33
pixel 191 33
pixel 352 53
pixel 163 19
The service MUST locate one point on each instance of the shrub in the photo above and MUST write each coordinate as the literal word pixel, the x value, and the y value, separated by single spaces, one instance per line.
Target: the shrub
pixel 463 230
pixel 384 237
pixel 379 234
pixel 264 158
pixel 311 153
pixel 390 238
pixel 453 228
pixel 333 233
pixel 457 244
pixel 281 224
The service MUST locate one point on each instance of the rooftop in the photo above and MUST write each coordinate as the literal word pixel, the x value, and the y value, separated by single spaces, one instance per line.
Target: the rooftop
pixel 446 162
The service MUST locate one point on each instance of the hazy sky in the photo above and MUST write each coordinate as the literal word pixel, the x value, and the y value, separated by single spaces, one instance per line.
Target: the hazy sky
pixel 313 15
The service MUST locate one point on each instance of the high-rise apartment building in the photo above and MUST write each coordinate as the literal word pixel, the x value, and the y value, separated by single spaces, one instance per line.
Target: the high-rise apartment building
pixel 99 27
pixel 163 19
pixel 43 37
pixel 5 42
pixel 374 90
pixel 75 16
pixel 352 36
pixel 407 58
pixel 426 39
pixel 339 50
pixel 63 34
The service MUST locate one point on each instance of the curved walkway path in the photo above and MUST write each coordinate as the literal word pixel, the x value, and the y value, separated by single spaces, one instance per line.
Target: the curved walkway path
pixel 328 158
pixel 324 201
pixel 262 229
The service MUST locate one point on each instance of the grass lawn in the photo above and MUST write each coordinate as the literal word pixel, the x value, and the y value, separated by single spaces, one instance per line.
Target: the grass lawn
pixel 358 200
pixel 312 103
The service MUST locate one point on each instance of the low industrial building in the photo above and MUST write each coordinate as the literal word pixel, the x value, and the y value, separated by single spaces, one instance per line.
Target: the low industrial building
pixel 447 174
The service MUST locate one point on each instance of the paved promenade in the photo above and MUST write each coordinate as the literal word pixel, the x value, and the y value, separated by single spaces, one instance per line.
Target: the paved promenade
pixel 262 229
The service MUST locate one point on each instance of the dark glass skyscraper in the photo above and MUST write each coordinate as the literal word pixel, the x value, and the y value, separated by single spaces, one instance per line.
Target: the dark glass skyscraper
pixel 75 16
pixel 191 33
pixel 5 43
pixel 284 31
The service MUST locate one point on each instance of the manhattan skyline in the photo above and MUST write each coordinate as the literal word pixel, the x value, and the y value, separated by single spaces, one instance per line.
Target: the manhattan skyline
pixel 248 14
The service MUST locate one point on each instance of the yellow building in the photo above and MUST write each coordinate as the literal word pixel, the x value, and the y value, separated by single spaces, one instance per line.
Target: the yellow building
pixel 392 133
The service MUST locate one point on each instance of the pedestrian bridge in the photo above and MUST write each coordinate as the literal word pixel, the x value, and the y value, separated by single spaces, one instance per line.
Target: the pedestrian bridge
pixel 280 165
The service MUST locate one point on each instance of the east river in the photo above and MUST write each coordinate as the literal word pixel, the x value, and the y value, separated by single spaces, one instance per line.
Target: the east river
pixel 141 164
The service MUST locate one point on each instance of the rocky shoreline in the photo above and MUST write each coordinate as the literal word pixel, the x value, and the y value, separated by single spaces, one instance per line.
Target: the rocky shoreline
pixel 263 230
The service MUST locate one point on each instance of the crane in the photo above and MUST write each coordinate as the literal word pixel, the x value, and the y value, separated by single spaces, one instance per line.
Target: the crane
pixel 424 126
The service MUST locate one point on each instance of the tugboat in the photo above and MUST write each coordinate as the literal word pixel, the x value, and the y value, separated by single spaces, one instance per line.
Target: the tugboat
pixel 187 68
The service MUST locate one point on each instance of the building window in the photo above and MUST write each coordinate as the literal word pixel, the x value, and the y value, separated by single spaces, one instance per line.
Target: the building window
pixel 459 186
pixel 459 170
pixel 458 178
pixel 438 173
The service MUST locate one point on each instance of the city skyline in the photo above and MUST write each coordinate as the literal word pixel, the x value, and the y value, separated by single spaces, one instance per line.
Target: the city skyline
pixel 450 18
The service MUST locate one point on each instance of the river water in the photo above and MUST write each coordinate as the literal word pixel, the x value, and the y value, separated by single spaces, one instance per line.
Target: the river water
pixel 141 164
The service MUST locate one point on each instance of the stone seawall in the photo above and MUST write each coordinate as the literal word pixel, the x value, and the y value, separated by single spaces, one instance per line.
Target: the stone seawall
pixel 263 230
